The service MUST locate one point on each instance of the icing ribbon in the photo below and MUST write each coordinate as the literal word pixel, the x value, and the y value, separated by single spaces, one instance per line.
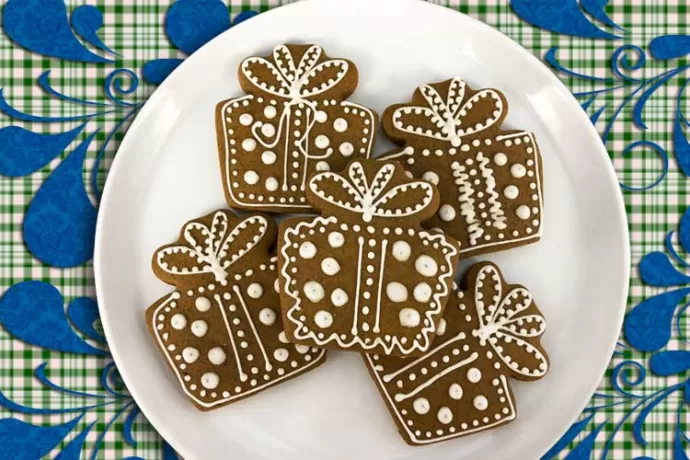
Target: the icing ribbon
pixel 369 200
pixel 448 116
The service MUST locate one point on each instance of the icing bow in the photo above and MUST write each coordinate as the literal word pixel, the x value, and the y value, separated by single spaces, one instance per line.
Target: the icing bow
pixel 211 250
pixel 356 194
pixel 508 325
pixel 450 119
pixel 295 81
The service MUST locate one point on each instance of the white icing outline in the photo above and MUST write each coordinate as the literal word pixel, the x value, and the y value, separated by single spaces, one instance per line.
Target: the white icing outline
pixel 288 374
pixel 396 410
pixel 293 311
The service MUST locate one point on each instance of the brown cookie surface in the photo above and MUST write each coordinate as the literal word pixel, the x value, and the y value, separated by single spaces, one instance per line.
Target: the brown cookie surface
pixel 491 331
pixel 364 276
pixel 221 330
pixel 490 179
pixel 293 121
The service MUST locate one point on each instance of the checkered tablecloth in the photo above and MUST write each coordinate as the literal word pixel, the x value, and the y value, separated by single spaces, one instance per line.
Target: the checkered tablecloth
pixel 599 67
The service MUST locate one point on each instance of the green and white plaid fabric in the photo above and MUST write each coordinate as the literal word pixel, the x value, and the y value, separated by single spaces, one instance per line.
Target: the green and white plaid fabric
pixel 134 29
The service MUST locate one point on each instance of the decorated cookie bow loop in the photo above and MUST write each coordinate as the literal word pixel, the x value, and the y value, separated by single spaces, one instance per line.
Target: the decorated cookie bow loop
pixel 510 324
pixel 204 251
pixel 372 199
pixel 452 118
pixel 297 82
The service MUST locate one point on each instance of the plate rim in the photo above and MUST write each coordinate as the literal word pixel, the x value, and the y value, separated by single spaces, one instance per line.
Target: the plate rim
pixel 538 66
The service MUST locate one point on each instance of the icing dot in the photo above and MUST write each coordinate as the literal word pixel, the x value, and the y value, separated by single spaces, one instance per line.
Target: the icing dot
pixel 426 266
pixel 396 292
pixel 255 290
pixel 282 337
pixel 480 402
pixel 268 130
pixel 178 321
pixel 346 149
pixel 268 157
pixel 409 317
pixel 446 213
pixel 500 159
pixel 441 327
pixel 272 184
pixel 321 116
pixel 322 141
pixel 330 266
pixel 314 291
pixel 190 354
pixel 431 177
pixel 246 119
pixel 511 192
pixel 270 112
pixel 251 177
pixel 339 297
pixel 323 319
pixel 444 415
pixel 455 391
pixel 323 166
pixel 267 317
pixel 216 356
pixel 336 239
pixel 340 125
pixel 281 354
pixel 421 406
pixel 422 292
pixel 210 380
pixel 518 171
pixel 249 145
pixel 199 328
pixel 202 304
pixel 301 349
pixel 523 212
pixel 474 375
pixel 307 250
pixel 401 251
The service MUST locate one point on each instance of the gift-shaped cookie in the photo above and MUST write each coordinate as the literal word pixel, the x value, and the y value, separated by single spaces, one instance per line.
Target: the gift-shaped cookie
pixel 293 121
pixel 364 276
pixel 221 330
pixel 490 179
pixel 491 331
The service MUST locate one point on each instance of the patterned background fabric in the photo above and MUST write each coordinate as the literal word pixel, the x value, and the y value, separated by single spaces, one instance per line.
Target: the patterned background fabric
pixel 73 74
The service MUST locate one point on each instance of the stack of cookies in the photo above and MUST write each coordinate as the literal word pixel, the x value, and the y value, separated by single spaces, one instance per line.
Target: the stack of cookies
pixel 369 265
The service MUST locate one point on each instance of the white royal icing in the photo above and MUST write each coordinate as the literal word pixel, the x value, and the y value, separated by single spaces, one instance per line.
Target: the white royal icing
pixel 431 177
pixel 255 290
pixel 339 297
pixel 446 212
pixel 340 125
pixel 246 119
pixel 281 355
pixel 336 239
pixel 178 321
pixel 249 145
pixel 409 317
pixel 444 415
pixel 270 112
pixel 267 316
pixel 202 304
pixel 474 375
pixel 518 171
pixel 511 192
pixel 323 319
pixel 210 380
pixel 307 250
pixel 426 266
pixel 401 251
pixel 268 157
pixel 421 406
pixel 251 177
pixel 322 141
pixel 346 149
pixel 455 391
pixel 323 166
pixel 396 292
pixel 422 292
pixel 523 212
pixel 272 184
pixel 216 356
pixel 314 291
pixel 190 354
pixel 199 328
pixel 330 266
pixel 441 327
pixel 480 403
pixel 500 159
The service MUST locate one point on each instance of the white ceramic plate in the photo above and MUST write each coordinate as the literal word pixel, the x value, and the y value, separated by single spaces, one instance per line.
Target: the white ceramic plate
pixel 166 173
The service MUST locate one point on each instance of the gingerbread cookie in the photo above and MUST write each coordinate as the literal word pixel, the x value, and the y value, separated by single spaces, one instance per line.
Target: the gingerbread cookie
pixel 220 330
pixel 490 179
pixel 491 331
pixel 294 121
pixel 364 276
